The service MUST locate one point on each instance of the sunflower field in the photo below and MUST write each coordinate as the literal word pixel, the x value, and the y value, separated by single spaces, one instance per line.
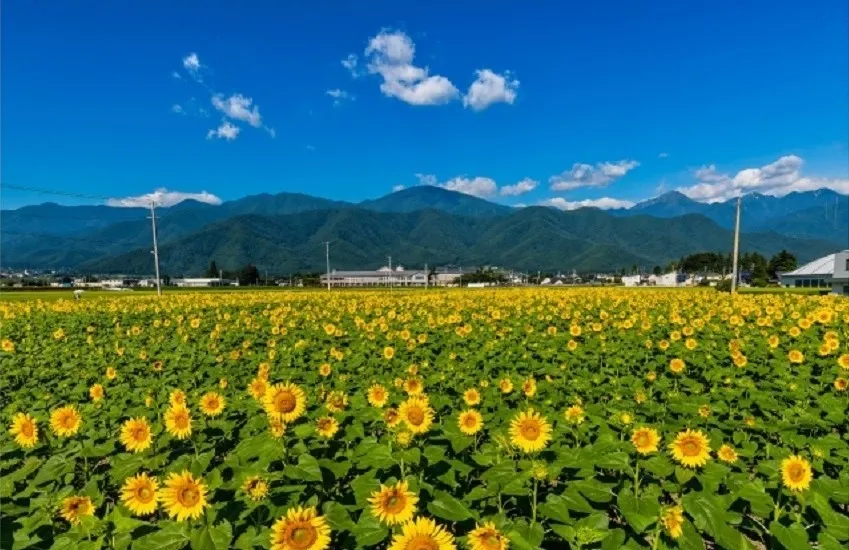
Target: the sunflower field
pixel 426 420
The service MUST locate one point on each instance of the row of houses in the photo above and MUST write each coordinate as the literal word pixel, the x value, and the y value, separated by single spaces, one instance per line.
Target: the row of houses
pixel 397 276
pixel 830 271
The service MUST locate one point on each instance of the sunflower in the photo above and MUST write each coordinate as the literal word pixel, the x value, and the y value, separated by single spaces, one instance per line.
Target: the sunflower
pixel 336 401
pixel 704 411
pixel 505 385
pixel 645 440
pixel 413 386
pixel 257 387
pixel 691 448
pixel 325 369
pixel 25 430
pixel 529 387
pixel 393 505
pixel 65 421
pixel 840 384
pixel 388 352
pixel 255 487
pixel 8 346
pixel 487 537
pixel 377 396
pixel 184 497
pixel 277 427
pixel 626 418
pixel 417 414
pixel 212 404
pixel 300 529
pixel 95 392
pixel 676 365
pixel 796 473
pixel 285 402
pixel 472 397
pixel 135 434
pixel 326 427
pixel 74 508
pixel 140 494
pixel 795 356
pixel 177 398
pixel 391 417
pixel 726 453
pixel 574 414
pixel 672 519
pixel 403 439
pixel 178 422
pixel 530 431
pixel 422 534
pixel 470 422
pixel 843 361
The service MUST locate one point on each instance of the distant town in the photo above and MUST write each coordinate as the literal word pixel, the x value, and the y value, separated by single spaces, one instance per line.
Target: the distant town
pixel 706 269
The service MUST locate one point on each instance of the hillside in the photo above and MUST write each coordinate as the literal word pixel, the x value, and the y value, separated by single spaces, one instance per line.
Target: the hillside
pixel 530 238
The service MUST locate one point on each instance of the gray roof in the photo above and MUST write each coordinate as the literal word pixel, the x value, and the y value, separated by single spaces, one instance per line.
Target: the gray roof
pixel 821 266
pixel 386 274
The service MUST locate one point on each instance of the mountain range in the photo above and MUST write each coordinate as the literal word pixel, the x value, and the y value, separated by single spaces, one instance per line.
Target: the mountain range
pixel 424 224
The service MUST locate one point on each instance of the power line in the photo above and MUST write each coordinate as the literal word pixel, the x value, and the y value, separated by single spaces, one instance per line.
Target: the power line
pixel 45 191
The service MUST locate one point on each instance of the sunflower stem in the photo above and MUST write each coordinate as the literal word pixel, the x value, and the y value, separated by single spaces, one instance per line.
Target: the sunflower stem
pixel 637 478
pixel 534 503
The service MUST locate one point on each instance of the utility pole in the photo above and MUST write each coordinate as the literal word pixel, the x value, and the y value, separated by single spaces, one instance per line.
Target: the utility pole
pixel 327 257
pixel 155 247
pixel 736 248
pixel 390 271
pixel 427 277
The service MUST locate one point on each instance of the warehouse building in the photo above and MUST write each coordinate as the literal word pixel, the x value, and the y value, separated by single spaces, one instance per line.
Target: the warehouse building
pixel 830 271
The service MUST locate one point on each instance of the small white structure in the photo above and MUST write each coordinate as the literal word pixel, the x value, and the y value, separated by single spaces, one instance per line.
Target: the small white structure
pixel 198 282
pixel 830 271
pixel 380 277
pixel 631 280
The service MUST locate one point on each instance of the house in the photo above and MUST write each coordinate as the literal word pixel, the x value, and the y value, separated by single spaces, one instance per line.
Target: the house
pixel 199 282
pixel 632 280
pixel 380 277
pixel 830 271
pixel 668 279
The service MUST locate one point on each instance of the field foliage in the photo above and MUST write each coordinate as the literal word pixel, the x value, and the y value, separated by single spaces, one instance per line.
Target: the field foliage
pixel 586 418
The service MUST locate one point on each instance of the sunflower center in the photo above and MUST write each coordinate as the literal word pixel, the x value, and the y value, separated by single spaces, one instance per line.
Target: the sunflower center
pixel 181 421
pixel 796 472
pixel 490 540
pixel 285 402
pixel 324 424
pixel 422 542
pixel 415 416
pixel 529 430
pixel 188 496
pixel 144 494
pixel 301 535
pixel 394 502
pixel 26 429
pixel 690 447
pixel 471 421
pixel 139 434
pixel 642 439
pixel 68 421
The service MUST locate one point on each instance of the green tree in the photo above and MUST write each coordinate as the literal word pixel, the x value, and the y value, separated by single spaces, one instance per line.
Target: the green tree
pixel 782 262
pixel 212 271
pixel 657 270
pixel 248 275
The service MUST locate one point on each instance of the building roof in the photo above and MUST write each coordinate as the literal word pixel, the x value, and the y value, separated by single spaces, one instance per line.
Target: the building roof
pixel 821 266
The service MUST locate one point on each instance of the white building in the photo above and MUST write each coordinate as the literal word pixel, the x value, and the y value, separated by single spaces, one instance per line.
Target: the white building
pixel 381 277
pixel 203 282
pixel 631 280
pixel 830 271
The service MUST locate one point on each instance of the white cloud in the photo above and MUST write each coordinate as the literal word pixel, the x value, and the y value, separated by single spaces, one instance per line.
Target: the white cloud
pixel 777 178
pixel 339 96
pixel 398 187
pixel 226 131
pixel 350 63
pixel 490 88
pixel 604 203
pixel 427 179
pixel 586 175
pixel 176 75
pixel 390 55
pixel 163 197
pixel 310 147
pixel 238 107
pixel 193 66
pixel 662 155
pixel 525 186
pixel 178 109
pixel 479 187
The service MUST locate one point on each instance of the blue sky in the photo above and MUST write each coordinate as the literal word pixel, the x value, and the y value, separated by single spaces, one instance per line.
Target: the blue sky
pixel 563 103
